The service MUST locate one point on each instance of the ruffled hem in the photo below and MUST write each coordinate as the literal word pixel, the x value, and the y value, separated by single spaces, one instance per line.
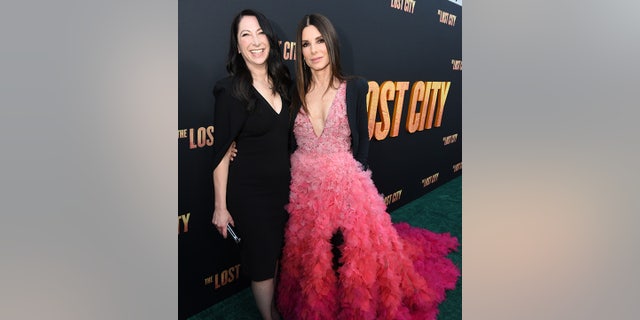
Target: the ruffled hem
pixel 389 271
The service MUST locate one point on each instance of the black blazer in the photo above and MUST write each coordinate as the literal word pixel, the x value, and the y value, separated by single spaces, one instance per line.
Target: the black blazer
pixel 357 89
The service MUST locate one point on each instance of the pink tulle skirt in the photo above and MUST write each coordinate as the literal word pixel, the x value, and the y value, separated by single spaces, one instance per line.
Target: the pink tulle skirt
pixel 388 271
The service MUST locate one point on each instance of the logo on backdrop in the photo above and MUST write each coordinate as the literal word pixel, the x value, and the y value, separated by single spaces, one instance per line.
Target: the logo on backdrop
pixel 183 223
pixel 288 49
pixel 447 18
pixel 429 180
pixel 457 64
pixel 450 139
pixel 408 6
pixel 431 94
pixel 223 278
pixel 458 2
pixel 393 197
pixel 457 167
pixel 198 137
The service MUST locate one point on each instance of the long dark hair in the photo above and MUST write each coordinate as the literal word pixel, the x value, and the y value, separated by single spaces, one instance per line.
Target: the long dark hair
pixel 236 66
pixel 330 36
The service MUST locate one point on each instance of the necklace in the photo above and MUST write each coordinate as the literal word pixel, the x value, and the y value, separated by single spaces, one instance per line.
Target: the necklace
pixel 269 84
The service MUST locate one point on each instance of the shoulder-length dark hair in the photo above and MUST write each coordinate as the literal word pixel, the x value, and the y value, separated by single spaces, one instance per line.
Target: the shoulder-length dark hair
pixel 236 66
pixel 330 36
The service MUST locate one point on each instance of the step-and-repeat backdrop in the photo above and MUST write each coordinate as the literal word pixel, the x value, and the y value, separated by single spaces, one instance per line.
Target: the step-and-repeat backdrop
pixel 410 51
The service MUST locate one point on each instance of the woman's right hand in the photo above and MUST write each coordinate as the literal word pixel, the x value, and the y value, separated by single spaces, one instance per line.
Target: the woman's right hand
pixel 222 217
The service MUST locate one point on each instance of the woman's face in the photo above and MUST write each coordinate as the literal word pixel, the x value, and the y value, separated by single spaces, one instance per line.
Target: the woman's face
pixel 253 43
pixel 314 49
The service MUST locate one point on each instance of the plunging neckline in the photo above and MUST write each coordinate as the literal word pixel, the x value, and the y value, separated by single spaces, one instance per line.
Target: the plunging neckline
pixel 269 104
pixel 324 122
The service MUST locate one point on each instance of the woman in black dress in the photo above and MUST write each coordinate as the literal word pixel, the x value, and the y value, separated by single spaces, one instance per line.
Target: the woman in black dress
pixel 252 109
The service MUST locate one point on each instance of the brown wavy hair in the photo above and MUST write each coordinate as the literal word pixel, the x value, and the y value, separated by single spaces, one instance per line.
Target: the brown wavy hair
pixel 330 36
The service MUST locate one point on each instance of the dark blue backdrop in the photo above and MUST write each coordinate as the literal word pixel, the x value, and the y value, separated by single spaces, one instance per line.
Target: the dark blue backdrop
pixel 401 41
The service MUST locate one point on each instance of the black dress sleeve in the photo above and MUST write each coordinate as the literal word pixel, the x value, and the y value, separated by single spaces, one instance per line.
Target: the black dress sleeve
pixel 229 118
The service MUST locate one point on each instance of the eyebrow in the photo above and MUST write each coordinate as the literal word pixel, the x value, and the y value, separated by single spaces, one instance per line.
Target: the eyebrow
pixel 247 30
pixel 318 37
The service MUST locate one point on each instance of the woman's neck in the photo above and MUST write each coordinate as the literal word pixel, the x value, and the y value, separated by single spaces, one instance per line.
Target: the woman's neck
pixel 259 74
pixel 322 78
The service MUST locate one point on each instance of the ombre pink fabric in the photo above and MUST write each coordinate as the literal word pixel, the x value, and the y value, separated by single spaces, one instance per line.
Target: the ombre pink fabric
pixel 389 271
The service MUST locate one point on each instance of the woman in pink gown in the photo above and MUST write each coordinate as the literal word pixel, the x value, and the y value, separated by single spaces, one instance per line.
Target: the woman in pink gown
pixel 343 258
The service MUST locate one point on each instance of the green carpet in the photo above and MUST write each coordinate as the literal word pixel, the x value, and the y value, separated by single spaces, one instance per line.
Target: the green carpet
pixel 439 211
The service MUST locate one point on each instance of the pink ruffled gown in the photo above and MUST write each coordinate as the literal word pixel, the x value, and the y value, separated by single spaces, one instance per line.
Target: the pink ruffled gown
pixel 388 271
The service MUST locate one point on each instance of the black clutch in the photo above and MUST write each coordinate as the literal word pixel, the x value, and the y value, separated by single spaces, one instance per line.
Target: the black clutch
pixel 233 234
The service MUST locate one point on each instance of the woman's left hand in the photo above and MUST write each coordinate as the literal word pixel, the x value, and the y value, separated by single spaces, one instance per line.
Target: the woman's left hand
pixel 232 152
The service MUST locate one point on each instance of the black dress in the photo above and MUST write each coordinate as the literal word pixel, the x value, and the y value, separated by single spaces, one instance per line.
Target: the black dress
pixel 259 176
